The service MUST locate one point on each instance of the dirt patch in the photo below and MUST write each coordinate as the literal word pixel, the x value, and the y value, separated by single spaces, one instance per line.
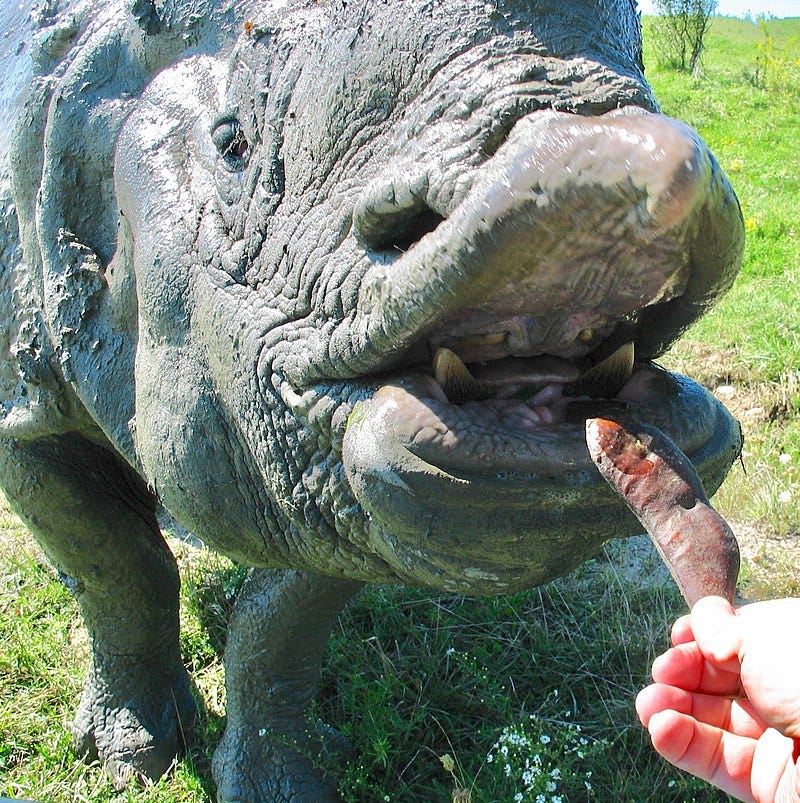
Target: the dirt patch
pixel 770 563
pixel 750 399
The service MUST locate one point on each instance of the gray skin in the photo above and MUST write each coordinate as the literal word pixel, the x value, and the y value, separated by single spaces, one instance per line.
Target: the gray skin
pixel 233 235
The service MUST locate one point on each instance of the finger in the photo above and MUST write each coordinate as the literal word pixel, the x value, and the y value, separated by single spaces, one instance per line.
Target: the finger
pixel 710 753
pixel 685 666
pixel 717 631
pixel 774 775
pixel 682 631
pixel 731 714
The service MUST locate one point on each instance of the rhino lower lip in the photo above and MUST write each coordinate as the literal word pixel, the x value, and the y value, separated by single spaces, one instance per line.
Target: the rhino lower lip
pixel 497 434
pixel 508 412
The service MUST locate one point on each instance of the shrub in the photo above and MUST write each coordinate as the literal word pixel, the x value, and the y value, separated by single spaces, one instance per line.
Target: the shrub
pixel 679 31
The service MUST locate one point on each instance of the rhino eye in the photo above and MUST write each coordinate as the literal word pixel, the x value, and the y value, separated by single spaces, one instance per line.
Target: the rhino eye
pixel 231 143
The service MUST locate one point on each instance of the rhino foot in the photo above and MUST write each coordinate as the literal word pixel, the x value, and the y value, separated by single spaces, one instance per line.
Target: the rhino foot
pixel 134 721
pixel 276 640
pixel 253 767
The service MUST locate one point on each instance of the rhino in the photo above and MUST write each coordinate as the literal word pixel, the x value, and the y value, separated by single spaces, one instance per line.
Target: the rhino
pixel 335 284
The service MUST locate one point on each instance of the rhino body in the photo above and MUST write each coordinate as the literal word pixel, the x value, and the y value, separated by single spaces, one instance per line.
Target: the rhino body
pixel 236 237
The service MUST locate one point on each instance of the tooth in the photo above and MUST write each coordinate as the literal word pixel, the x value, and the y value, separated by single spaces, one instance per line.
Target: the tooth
pixel 457 382
pixel 606 379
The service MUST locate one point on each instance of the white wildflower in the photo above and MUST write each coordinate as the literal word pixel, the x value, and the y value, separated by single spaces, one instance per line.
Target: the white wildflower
pixel 529 776
pixel 784 459
pixel 784 497
pixel 544 739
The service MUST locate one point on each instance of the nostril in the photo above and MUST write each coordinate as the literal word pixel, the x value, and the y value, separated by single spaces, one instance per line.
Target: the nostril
pixel 393 216
pixel 410 229
pixel 498 134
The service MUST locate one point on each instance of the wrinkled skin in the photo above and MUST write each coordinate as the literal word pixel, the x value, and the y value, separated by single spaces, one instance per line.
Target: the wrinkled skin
pixel 234 237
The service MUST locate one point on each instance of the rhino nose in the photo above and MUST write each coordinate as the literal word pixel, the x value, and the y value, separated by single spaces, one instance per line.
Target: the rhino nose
pixel 624 216
pixel 543 158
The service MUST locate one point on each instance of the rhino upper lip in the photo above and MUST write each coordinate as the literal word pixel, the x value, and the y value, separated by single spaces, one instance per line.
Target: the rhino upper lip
pixel 641 251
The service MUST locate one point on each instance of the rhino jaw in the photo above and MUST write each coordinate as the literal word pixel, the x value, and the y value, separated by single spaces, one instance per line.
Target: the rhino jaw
pixel 583 238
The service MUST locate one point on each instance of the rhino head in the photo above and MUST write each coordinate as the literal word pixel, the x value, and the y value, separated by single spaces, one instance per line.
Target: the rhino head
pixel 339 289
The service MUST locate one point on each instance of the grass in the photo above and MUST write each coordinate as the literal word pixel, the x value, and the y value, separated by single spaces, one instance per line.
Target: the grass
pixel 517 696
pixel 493 701
pixel 749 345
pixel 528 694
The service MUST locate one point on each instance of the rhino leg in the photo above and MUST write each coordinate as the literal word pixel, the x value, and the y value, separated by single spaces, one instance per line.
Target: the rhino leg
pixel 276 641
pixel 95 520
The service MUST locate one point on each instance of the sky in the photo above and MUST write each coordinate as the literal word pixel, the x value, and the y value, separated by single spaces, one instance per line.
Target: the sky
pixel 743 8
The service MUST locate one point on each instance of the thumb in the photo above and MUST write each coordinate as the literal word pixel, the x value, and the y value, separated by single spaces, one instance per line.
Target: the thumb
pixel 717 631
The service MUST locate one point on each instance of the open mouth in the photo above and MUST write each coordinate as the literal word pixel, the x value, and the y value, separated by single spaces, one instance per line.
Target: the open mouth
pixel 545 384
pixel 476 477
pixel 525 415
pixel 516 395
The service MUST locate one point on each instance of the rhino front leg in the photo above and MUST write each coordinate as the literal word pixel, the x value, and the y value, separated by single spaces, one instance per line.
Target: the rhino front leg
pixel 95 520
pixel 276 641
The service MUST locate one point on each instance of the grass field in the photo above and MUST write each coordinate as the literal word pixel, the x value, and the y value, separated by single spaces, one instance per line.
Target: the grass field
pixel 749 346
pixel 527 697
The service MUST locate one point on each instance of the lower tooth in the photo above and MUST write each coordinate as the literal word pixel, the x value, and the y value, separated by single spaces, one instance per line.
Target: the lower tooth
pixel 454 377
pixel 606 379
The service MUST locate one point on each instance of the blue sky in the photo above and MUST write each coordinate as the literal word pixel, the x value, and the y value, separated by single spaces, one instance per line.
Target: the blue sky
pixel 742 8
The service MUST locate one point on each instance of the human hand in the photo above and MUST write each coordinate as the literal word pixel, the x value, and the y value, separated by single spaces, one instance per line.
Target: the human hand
pixel 725 705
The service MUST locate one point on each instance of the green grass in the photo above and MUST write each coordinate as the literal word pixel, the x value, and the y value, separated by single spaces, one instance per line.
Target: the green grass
pixel 541 682
pixel 751 340
pixel 428 687
pixel 419 683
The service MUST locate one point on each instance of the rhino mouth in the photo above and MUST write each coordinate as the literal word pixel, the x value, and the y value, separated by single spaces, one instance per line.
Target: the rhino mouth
pixel 541 299
pixel 499 493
